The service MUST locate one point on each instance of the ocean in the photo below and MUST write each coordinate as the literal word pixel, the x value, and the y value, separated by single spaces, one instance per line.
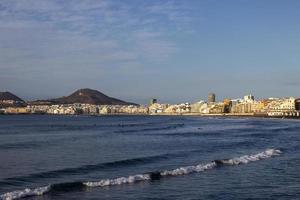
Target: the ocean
pixel 45 157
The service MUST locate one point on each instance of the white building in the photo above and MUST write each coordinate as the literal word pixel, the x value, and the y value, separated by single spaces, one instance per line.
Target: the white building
pixel 249 98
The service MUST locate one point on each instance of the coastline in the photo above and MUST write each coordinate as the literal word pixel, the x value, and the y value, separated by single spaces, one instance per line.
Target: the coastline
pixel 223 115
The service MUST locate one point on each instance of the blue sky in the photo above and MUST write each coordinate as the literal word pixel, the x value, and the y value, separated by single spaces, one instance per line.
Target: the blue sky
pixel 175 51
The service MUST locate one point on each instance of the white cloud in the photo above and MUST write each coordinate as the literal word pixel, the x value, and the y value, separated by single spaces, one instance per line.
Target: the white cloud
pixel 61 41
pixel 39 36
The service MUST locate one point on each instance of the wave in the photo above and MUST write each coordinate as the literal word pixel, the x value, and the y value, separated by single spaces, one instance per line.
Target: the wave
pixel 84 169
pixel 66 187
pixel 21 145
pixel 175 126
pixel 187 169
pixel 18 194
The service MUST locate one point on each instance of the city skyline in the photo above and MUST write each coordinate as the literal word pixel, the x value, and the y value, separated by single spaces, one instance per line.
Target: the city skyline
pixel 175 51
pixel 211 97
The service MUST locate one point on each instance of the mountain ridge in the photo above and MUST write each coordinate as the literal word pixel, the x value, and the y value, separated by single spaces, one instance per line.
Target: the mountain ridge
pixel 85 96
pixel 8 99
pixel 6 96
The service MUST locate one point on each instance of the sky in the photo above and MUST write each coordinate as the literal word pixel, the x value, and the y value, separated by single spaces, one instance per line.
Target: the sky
pixel 172 50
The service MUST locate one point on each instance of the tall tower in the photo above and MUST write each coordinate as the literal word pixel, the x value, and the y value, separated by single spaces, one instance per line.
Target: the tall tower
pixel 211 98
pixel 153 101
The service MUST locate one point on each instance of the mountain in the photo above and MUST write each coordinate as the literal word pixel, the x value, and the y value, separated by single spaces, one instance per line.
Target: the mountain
pixel 8 99
pixel 86 96
pixel 7 96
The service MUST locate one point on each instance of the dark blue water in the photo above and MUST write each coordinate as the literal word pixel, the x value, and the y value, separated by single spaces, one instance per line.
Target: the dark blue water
pixel 66 151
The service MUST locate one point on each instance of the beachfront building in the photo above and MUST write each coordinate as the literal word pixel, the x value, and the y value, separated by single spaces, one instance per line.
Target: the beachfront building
pixel 297 104
pixel 216 108
pixel 104 110
pixel 38 109
pixel 198 106
pixel 212 108
pixel 178 108
pixel 248 107
pixel 211 98
pixel 16 110
pixel 285 104
pixel 62 110
pixel 88 109
pixel 249 98
pixel 280 107
pixel 132 109
pixel 157 108
pixel 153 101
pixel 4 103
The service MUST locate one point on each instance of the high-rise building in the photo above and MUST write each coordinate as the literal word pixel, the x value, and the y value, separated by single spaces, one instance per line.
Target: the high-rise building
pixel 153 101
pixel 211 98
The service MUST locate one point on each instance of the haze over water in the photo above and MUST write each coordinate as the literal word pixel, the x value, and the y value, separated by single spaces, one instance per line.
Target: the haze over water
pixel 38 151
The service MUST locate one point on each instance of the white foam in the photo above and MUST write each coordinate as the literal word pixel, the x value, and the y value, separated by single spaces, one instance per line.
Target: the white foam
pixel 189 169
pixel 234 161
pixel 251 158
pixel 145 177
pixel 118 181
pixel 18 194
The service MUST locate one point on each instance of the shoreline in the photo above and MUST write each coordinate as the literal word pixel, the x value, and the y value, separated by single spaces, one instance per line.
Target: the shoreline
pixel 223 115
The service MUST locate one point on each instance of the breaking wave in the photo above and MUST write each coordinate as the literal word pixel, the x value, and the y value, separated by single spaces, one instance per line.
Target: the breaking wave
pixel 84 169
pixel 66 187
pixel 18 194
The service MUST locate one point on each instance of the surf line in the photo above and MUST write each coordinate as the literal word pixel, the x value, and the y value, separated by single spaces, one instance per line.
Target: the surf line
pixel 66 187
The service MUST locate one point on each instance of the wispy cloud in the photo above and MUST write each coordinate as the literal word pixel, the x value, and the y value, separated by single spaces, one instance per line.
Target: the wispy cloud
pixel 99 31
pixel 89 42
pixel 82 42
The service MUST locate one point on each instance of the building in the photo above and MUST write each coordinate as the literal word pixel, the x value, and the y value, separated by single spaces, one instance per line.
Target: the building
pixel 281 107
pixel 153 101
pixel 105 110
pixel 216 108
pixel 16 110
pixel 286 104
pixel 11 103
pixel 243 107
pixel 227 105
pixel 297 104
pixel 249 98
pixel 211 98
pixel 196 107
pixel 157 108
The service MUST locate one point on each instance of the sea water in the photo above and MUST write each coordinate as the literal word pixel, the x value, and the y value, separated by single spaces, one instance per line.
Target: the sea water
pixel 148 157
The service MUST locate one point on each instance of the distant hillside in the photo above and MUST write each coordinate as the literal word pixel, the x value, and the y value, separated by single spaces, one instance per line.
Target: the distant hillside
pixel 8 99
pixel 7 96
pixel 85 96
